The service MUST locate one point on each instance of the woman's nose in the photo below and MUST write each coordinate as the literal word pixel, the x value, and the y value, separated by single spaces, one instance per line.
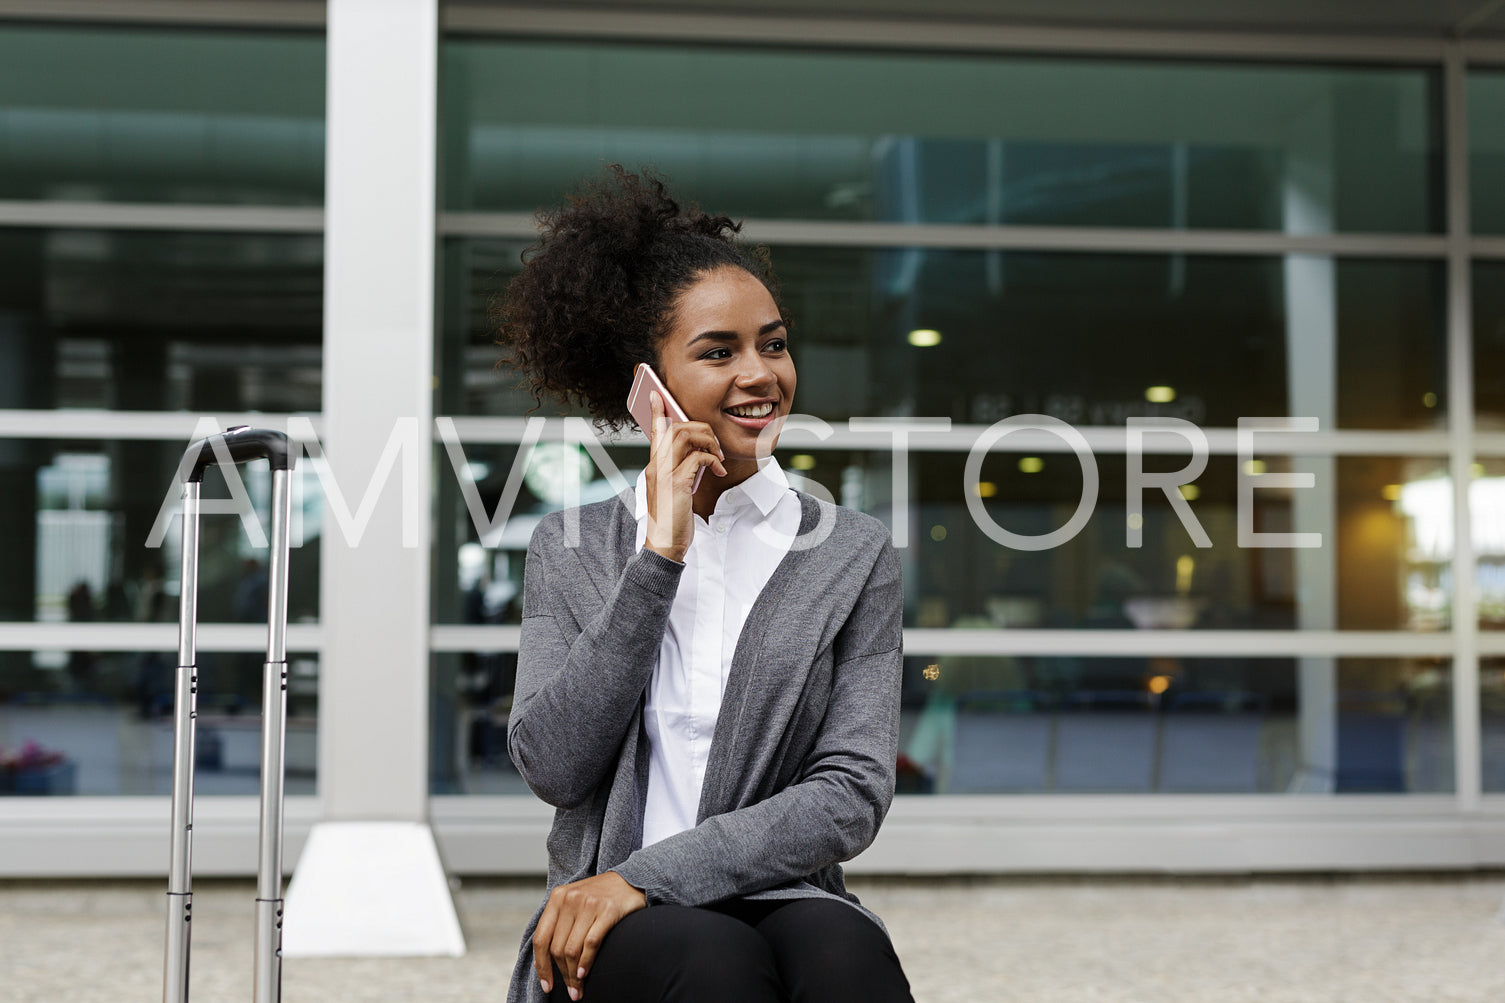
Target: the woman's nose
pixel 755 373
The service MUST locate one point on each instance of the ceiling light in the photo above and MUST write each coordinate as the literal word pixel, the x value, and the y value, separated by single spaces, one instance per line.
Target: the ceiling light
pixel 924 338
pixel 1031 464
pixel 1160 395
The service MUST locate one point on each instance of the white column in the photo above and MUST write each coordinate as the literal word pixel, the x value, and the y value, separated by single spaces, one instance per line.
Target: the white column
pixel 370 880
pixel 1312 378
pixel 1461 417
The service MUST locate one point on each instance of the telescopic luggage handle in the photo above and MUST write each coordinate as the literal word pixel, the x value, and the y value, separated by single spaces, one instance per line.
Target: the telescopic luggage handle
pixel 239 445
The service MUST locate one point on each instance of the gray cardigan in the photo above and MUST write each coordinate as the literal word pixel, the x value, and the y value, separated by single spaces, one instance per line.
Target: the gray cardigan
pixel 801 768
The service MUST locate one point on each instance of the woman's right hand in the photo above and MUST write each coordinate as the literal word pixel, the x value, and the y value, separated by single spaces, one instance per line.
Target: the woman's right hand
pixel 676 452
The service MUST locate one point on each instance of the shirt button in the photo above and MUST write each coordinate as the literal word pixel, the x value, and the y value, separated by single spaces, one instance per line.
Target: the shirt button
pixel 721 527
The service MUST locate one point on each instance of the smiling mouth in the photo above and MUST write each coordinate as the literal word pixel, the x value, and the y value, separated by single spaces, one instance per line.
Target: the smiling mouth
pixel 751 410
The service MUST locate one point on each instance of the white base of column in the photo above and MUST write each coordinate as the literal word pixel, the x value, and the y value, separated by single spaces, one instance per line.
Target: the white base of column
pixel 370 889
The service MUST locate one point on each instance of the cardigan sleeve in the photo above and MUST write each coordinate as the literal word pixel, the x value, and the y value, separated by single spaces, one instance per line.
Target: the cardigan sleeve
pixel 846 784
pixel 575 695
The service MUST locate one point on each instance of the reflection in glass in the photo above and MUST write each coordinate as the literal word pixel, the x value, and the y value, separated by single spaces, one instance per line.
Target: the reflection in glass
pixel 1385 562
pixel 1486 499
pixel 1380 566
pixel 478 557
pixel 1010 724
pixel 78 518
pixel 1209 339
pixel 91 114
pixel 1035 724
pixel 1492 709
pixel 139 321
pixel 1395 543
pixel 1486 154
pixel 101 722
pixel 473 275
pixel 470 697
pixel 955 138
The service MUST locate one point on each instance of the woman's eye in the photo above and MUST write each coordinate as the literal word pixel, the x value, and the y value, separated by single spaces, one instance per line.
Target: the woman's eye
pixel 776 345
pixel 717 353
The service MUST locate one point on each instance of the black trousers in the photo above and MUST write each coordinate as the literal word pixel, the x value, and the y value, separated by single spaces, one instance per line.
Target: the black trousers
pixel 740 951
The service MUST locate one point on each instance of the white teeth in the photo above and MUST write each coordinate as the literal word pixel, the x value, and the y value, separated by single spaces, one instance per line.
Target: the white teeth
pixel 752 410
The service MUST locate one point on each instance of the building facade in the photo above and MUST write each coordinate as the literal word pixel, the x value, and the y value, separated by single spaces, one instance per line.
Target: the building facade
pixel 1163 348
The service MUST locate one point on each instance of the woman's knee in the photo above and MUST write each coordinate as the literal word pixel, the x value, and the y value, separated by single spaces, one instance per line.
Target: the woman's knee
pixel 828 951
pixel 675 953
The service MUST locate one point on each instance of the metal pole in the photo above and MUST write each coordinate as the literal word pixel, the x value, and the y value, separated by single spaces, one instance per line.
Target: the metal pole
pixel 268 976
pixel 180 869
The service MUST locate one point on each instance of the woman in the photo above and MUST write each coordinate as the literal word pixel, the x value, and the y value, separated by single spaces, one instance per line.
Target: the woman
pixel 708 680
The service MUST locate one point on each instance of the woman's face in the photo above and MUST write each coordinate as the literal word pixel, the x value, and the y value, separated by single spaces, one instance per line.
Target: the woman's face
pixel 725 355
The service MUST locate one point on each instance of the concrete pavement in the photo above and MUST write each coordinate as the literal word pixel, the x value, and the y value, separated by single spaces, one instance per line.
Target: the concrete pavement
pixel 1147 940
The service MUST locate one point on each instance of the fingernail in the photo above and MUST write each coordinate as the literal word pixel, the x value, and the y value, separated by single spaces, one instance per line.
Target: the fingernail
pixel 544 984
pixel 580 972
pixel 574 993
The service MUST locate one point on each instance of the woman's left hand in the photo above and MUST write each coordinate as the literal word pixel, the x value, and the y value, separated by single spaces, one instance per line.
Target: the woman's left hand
pixel 574 923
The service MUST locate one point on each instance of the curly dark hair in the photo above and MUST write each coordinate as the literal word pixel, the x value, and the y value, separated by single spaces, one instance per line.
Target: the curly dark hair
pixel 597 292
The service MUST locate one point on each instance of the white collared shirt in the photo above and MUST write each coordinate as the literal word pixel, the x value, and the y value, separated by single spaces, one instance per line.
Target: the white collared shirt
pixel 729 562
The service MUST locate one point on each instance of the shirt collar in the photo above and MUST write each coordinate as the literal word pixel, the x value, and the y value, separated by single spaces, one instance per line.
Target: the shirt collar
pixel 763 490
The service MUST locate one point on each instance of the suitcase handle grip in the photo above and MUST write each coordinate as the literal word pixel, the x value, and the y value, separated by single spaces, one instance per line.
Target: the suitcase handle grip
pixel 243 444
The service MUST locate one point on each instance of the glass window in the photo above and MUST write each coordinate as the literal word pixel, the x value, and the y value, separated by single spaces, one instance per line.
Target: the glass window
pixel 470 696
pixel 1486 499
pixel 1140 725
pixel 1080 337
pixel 1385 559
pixel 1486 140
pixel 101 722
pixel 1369 574
pixel 1492 706
pixel 94 114
pixel 1009 724
pixel 478 557
pixel 79 520
pixel 954 138
pixel 152 321
pixel 1489 342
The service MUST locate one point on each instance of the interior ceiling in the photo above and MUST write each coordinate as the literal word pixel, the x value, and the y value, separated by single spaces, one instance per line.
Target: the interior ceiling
pixel 1411 18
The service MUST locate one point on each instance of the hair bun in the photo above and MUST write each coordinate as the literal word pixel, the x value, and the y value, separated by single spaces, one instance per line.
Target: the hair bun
pixel 598 288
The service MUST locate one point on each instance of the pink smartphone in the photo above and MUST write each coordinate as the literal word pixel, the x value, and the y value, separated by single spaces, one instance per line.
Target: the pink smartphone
pixel 644 380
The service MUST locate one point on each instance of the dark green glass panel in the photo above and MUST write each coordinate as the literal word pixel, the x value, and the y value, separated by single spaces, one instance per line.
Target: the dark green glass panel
pixel 1489 341
pixel 1486 150
pixel 149 321
pixel 1080 337
pixel 117 114
pixel 959 138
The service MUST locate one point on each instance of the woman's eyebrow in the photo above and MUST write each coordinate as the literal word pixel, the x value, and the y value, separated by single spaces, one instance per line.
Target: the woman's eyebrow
pixel 772 325
pixel 713 336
